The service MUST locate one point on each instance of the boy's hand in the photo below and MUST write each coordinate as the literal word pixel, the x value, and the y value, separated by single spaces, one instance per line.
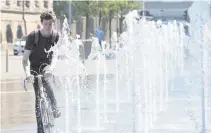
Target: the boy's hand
pixel 30 78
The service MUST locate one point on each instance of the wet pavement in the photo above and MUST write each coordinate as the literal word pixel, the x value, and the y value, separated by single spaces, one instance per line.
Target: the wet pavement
pixel 17 105
pixel 182 112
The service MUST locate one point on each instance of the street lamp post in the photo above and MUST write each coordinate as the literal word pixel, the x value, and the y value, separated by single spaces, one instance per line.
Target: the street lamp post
pixel 161 11
pixel 7 61
pixel 143 6
pixel 70 13
pixel 24 20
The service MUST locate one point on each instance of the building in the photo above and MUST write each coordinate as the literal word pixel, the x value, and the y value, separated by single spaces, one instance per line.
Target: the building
pixel 19 17
pixel 168 10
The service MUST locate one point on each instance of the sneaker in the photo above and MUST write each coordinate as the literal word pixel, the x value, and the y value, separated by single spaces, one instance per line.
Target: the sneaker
pixel 56 113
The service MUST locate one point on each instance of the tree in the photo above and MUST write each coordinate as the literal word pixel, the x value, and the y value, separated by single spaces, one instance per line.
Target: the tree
pixel 111 10
pixel 79 8
pixel 115 8
pixel 103 9
pixel 60 8
pixel 85 8
pixel 126 6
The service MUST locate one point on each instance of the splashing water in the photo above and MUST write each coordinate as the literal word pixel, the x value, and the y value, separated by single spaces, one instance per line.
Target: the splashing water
pixel 149 83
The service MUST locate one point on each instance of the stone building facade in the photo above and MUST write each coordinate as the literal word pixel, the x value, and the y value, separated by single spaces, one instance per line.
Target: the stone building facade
pixel 13 13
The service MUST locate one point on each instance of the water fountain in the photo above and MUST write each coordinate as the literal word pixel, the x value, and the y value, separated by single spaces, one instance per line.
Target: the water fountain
pixel 143 85
pixel 202 55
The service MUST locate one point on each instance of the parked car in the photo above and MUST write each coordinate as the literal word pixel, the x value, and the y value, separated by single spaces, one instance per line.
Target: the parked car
pixel 18 46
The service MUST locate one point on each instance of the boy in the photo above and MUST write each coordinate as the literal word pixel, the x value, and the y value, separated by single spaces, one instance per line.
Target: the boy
pixel 41 62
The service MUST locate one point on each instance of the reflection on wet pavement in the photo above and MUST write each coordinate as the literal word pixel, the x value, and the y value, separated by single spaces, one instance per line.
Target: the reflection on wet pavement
pixel 18 115
pixel 17 105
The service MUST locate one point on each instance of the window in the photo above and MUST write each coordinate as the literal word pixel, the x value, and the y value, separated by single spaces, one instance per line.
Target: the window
pixel 46 4
pixel 9 34
pixel 27 3
pixel 19 3
pixel 37 4
pixel 19 32
pixel 8 2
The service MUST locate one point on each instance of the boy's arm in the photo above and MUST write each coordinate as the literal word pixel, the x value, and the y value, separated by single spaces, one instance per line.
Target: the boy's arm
pixel 25 62
pixel 27 52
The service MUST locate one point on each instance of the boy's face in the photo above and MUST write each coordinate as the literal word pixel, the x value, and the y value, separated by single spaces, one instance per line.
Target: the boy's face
pixel 47 25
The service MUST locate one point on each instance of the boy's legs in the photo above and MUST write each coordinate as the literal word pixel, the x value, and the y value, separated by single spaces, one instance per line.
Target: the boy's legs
pixel 37 107
pixel 48 85
pixel 47 81
pixel 35 71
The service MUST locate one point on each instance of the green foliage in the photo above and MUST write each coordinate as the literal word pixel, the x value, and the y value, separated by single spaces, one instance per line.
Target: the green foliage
pixel 128 6
pixel 83 8
pixel 61 8
pixel 113 8
pixel 94 7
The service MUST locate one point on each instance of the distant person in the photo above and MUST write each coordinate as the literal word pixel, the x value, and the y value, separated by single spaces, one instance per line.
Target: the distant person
pixel 100 35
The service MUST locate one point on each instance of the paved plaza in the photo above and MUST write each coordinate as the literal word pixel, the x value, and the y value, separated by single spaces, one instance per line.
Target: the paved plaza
pixel 181 112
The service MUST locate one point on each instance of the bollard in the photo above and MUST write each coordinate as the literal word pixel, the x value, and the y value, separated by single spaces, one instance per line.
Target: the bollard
pixel 7 62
